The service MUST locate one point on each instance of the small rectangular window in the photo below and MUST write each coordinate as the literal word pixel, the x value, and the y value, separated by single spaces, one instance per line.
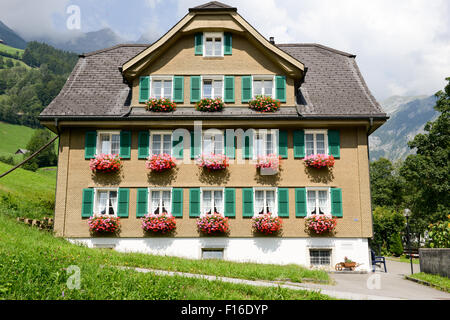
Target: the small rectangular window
pixel 161 142
pixel 263 86
pixel 320 257
pixel 106 202
pixel 161 88
pixel 265 201
pixel 213 143
pixel 316 142
pixel 212 201
pixel 212 87
pixel 160 201
pixel 265 143
pixel 213 44
pixel 108 143
pixel 212 254
pixel 318 201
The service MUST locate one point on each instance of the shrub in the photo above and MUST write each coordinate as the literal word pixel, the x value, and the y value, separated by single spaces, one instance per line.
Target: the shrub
pixel 212 224
pixel 104 224
pixel 321 224
pixel 8 160
pixel 160 162
pixel 162 223
pixel 386 222
pixel 395 245
pixel 210 105
pixel 265 104
pixel 161 105
pixel 439 234
pixel 267 224
pixel 319 161
pixel 106 163
pixel 213 161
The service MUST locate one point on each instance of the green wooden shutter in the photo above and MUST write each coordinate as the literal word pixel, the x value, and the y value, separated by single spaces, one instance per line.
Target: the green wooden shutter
pixel 177 147
pixel 144 89
pixel 143 144
pixel 248 147
pixel 142 202
pixel 247 203
pixel 283 144
pixel 90 144
pixel 299 144
pixel 336 202
pixel 194 202
pixel 300 202
pixel 123 202
pixel 229 89
pixel 230 202
pixel 125 144
pixel 280 83
pixel 228 43
pixel 229 143
pixel 246 89
pixel 87 207
pixel 198 43
pixel 195 145
pixel 177 202
pixel 178 89
pixel 195 88
pixel 283 202
pixel 334 143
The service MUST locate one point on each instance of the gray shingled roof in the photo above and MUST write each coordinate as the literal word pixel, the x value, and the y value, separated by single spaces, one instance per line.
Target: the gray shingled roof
pixel 333 88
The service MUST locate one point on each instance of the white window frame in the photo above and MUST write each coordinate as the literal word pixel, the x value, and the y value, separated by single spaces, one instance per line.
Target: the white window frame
pixel 161 78
pixel 202 214
pixel 263 78
pixel 96 198
pixel 159 132
pixel 149 205
pixel 213 78
pixel 213 35
pixel 330 250
pixel 275 190
pixel 314 132
pixel 316 189
pixel 213 140
pixel 103 132
pixel 265 132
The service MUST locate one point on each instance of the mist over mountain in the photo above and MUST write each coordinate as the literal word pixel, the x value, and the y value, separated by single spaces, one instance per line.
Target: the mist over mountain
pixel 11 38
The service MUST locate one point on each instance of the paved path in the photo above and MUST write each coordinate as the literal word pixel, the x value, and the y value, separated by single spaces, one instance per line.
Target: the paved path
pixel 371 286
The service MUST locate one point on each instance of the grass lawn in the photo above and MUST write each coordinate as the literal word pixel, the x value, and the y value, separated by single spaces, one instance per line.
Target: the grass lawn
pixel 21 135
pixel 11 50
pixel 442 283
pixel 404 259
pixel 34 266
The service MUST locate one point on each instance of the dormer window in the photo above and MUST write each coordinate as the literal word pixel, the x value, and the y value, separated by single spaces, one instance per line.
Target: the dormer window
pixel 213 44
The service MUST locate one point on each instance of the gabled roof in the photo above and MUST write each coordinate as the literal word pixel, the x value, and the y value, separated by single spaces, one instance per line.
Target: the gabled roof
pixel 213 5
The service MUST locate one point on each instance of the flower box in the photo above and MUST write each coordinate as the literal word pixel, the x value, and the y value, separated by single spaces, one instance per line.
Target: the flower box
pixel 160 162
pixel 319 161
pixel 264 104
pixel 267 224
pixel 161 105
pixel 320 224
pixel 213 224
pixel 271 161
pixel 104 224
pixel 106 163
pixel 162 223
pixel 210 105
pixel 213 162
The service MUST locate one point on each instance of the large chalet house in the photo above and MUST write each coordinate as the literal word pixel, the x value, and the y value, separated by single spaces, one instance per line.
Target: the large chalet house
pixel 294 101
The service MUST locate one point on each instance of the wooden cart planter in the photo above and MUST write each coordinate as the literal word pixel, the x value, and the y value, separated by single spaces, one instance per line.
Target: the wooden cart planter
pixel 346 265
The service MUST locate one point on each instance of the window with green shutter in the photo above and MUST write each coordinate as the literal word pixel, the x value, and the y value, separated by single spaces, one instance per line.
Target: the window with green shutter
pixel 178 89
pixel 87 207
pixel 90 144
pixel 198 44
pixel 144 89
pixel 300 202
pixel 229 89
pixel 142 202
pixel 194 202
pixel 336 202
pixel 228 43
pixel 178 144
pixel 230 202
pixel 196 144
pixel 123 202
pixel 283 202
pixel 195 89
pixel 283 144
pixel 247 203
pixel 280 88
pixel 229 143
pixel 246 89
pixel 143 144
pixel 299 144
pixel 334 143
pixel 177 202
pixel 125 144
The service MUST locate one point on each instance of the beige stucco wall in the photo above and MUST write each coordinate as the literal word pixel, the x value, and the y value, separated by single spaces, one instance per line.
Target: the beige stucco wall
pixel 350 173
pixel 246 59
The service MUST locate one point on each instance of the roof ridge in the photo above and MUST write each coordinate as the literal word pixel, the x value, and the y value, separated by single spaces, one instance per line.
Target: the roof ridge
pixel 212 5
pixel 350 55
pixel 88 54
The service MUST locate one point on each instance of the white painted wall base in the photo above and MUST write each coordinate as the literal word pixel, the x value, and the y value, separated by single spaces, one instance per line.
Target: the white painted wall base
pixel 258 250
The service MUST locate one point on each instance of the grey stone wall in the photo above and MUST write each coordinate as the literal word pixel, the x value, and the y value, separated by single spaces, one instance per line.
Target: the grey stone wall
pixel 435 261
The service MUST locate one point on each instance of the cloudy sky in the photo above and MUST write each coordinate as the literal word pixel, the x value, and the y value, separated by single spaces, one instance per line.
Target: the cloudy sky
pixel 402 46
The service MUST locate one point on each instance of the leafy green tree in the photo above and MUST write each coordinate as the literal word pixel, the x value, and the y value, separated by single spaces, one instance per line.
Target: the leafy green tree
pixel 439 234
pixel 386 223
pixel 45 158
pixel 387 186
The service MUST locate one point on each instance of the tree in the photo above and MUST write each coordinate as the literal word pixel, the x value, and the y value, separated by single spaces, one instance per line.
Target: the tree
pixel 45 158
pixel 386 223
pixel 386 186
pixel 427 172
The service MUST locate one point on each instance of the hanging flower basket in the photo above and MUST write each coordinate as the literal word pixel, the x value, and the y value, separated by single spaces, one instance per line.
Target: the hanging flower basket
pixel 213 162
pixel 104 224
pixel 210 105
pixel 319 161
pixel 161 105
pixel 320 224
pixel 264 104
pixel 267 224
pixel 213 224
pixel 161 223
pixel 271 161
pixel 160 162
pixel 106 163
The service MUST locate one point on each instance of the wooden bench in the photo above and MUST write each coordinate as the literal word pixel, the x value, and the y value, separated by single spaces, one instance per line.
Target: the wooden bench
pixel 414 252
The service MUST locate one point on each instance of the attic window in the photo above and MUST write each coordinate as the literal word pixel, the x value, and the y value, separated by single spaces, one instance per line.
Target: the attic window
pixel 213 44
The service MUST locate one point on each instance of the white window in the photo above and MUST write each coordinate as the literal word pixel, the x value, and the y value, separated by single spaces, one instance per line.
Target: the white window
pixel 212 87
pixel 106 202
pixel 265 201
pixel 161 87
pixel 316 142
pixel 318 201
pixel 320 257
pixel 212 201
pixel 264 143
pixel 108 142
pixel 161 142
pixel 213 44
pixel 263 86
pixel 212 143
pixel 216 254
pixel 160 201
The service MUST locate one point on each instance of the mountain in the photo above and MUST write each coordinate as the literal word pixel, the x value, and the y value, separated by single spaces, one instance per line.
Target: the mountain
pixel 407 120
pixel 391 104
pixel 11 38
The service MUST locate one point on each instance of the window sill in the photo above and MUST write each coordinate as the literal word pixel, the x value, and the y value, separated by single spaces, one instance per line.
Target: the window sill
pixel 213 58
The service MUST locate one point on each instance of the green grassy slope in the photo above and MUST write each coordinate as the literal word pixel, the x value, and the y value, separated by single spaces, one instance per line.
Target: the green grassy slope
pixel 34 265
pixel 11 50
pixel 13 137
